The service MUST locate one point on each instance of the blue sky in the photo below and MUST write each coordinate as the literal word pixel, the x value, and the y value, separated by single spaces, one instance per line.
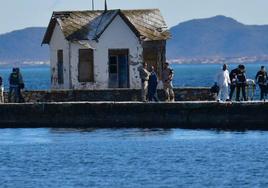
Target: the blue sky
pixel 18 14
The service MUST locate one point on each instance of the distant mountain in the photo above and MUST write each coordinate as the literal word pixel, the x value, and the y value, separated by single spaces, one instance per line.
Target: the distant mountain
pixel 217 36
pixel 23 45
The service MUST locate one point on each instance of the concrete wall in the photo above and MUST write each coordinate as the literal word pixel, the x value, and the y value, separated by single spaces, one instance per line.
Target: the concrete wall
pixel 190 115
pixel 182 94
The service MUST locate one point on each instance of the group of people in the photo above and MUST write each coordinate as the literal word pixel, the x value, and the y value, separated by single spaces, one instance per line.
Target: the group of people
pixel 149 83
pixel 237 80
pixel 16 84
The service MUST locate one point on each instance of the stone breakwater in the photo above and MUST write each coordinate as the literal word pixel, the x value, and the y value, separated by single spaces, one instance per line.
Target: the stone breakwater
pixel 189 115
pixel 119 95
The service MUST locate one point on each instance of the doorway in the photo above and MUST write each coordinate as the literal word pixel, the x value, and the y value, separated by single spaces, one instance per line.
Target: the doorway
pixel 118 68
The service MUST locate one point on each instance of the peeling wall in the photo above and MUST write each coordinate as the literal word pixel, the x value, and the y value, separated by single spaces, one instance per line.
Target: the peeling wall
pixel 117 36
pixel 58 42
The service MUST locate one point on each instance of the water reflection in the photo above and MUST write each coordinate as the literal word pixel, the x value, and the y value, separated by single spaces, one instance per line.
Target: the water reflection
pixel 71 130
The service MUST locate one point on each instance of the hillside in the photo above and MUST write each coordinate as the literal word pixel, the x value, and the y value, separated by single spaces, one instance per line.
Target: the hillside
pixel 217 36
pixel 23 45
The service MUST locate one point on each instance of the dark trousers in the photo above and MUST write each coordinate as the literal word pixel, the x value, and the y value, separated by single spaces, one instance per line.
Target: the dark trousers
pixel 263 89
pixel 152 95
pixel 238 88
pixel 15 91
pixel 232 89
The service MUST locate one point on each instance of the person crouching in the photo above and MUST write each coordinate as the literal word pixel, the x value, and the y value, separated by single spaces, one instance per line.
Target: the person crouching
pixel 223 81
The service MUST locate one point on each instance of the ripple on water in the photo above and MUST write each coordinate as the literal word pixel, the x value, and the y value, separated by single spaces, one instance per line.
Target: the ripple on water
pixel 132 158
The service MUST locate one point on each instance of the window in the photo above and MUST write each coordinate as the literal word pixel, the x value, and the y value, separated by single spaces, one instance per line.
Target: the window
pixel 85 66
pixel 60 66
pixel 113 65
pixel 118 68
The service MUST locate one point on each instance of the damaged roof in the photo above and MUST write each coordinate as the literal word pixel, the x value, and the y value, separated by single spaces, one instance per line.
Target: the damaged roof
pixel 147 24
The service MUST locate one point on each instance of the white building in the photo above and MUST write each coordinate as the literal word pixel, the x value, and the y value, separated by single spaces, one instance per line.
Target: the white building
pixel 103 49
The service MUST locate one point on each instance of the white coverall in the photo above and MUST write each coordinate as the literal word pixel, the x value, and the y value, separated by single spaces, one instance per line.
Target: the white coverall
pixel 223 81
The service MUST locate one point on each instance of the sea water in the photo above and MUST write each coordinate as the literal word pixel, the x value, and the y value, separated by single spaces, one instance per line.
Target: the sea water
pixel 185 75
pixel 132 158
pixel 129 158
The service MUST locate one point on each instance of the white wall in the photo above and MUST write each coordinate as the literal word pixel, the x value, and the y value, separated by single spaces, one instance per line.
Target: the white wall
pixel 58 42
pixel 117 36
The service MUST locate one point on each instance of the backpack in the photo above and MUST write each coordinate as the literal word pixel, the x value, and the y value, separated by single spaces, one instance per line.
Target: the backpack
pixel 14 79
pixel 215 89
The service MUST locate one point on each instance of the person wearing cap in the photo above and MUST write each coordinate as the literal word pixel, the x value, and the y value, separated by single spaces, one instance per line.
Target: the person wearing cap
pixel 167 77
pixel 144 76
pixel 261 79
pixel 223 81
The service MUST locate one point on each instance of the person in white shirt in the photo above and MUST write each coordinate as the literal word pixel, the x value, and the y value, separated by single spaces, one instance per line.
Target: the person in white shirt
pixel 223 81
pixel 1 90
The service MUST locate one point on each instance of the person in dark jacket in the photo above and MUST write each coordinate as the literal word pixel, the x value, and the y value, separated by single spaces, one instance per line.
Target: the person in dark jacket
pixel 261 79
pixel 233 77
pixel 238 81
pixel 152 86
pixel 14 86
pixel 241 83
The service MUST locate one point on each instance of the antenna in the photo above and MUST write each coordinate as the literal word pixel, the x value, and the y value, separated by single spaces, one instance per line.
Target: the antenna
pixel 93 7
pixel 105 9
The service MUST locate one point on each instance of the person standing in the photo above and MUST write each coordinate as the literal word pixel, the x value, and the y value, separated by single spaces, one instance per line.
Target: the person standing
pixel 167 77
pixel 21 85
pixel 223 81
pixel 2 100
pixel 144 76
pixel 241 83
pixel 13 86
pixel 237 83
pixel 233 79
pixel 261 79
pixel 152 86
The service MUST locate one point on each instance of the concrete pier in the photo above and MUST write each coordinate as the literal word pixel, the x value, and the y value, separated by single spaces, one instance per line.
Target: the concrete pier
pixel 189 115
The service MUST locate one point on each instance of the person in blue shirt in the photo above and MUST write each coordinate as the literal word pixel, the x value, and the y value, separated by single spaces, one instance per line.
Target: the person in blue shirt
pixel 152 86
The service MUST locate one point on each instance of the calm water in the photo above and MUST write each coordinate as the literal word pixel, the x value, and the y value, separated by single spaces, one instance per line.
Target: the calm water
pixel 132 158
pixel 203 75
pixel 185 75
